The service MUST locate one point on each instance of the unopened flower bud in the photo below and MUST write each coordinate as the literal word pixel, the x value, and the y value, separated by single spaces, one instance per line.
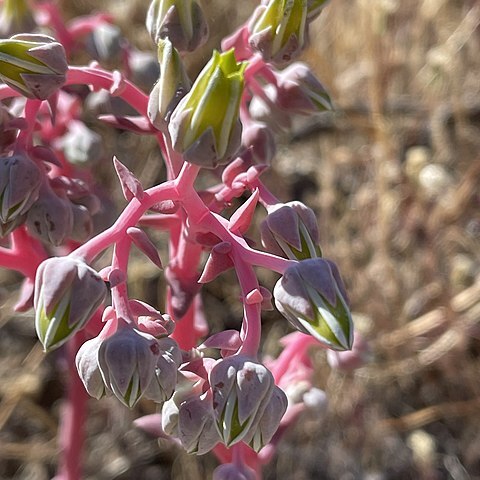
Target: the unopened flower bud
pixel 143 67
pixel 162 386
pixel 50 218
pixel 67 293
pixel 241 391
pixel 171 87
pixel 34 65
pixel 8 129
pixel 312 297
pixel 205 126
pixel 258 137
pixel 269 421
pixel 20 181
pixel 127 363
pixel 279 30
pixel 196 425
pixel 15 17
pixel 182 21
pixel 299 91
pixel 291 229
pixel 82 223
pixel 88 369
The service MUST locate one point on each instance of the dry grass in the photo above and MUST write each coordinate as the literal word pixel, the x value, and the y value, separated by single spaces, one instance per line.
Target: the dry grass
pixel 394 176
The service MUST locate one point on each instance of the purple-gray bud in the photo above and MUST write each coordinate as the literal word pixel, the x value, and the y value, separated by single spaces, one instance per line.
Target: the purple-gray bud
pixel 88 369
pixel 163 384
pixel 127 362
pixel 50 218
pixel 299 91
pixel 242 389
pixel 196 425
pixel 182 21
pixel 311 296
pixel 20 181
pixel 268 423
pixel 259 139
pixel 15 17
pixel 291 229
pixel 67 293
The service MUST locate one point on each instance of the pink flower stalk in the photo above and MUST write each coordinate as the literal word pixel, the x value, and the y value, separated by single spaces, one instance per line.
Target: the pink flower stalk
pixel 50 205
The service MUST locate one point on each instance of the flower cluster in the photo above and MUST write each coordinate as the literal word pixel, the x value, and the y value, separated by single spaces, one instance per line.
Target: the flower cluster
pixel 226 120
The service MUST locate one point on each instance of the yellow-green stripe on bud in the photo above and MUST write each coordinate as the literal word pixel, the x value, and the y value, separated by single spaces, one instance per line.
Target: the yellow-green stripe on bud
pixel 67 293
pixel 181 21
pixel 34 65
pixel 311 296
pixel 205 126
pixel 172 85
pixel 15 17
pixel 278 30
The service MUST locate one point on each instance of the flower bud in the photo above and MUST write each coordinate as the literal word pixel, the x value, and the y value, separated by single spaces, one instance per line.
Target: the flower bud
pixel 182 21
pixel 88 369
pixel 171 87
pixel 291 229
pixel 311 296
pixel 15 17
pixel 162 386
pixel 50 218
pixel 8 129
pixel 258 137
pixel 279 30
pixel 269 421
pixel 82 223
pixel 127 363
pixel 205 126
pixel 241 391
pixel 67 293
pixel 143 67
pixel 299 91
pixel 20 181
pixel 196 425
pixel 34 65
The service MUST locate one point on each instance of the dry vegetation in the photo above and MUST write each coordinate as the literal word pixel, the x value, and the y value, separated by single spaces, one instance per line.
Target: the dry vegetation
pixel 394 176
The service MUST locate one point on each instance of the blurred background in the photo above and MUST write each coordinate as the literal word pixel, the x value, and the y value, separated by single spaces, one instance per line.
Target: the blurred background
pixel 393 175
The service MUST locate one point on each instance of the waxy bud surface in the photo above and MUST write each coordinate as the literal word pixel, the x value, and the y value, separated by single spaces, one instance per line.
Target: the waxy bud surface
pixel 291 229
pixel 20 181
pixel 34 65
pixel 182 21
pixel 127 363
pixel 242 389
pixel 312 297
pixel 88 369
pixel 279 30
pixel 205 126
pixel 171 87
pixel 67 293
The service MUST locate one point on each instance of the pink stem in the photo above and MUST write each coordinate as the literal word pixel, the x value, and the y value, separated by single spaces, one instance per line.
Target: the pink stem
pixel 71 435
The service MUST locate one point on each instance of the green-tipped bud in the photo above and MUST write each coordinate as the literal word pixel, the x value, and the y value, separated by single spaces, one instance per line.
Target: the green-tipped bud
pixel 67 293
pixel 172 85
pixel 291 229
pixel 205 126
pixel 34 65
pixel 312 297
pixel 279 30
pixel 181 21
